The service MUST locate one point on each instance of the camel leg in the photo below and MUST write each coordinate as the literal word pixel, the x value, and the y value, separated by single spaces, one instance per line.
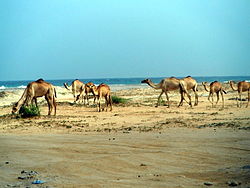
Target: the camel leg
pixel 196 96
pixel 222 97
pixel 99 104
pixel 209 96
pixel 182 98
pixel 218 97
pixel 106 103
pixel 239 101
pixel 48 99
pixel 190 101
pixel 34 101
pixel 159 98
pixel 167 97
pixel 110 102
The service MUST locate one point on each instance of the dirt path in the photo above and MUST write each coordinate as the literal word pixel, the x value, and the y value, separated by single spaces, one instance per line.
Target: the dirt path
pixel 178 157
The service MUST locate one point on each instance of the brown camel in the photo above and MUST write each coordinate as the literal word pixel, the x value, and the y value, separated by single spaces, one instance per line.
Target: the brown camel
pixel 102 91
pixel 242 86
pixel 171 84
pixel 77 87
pixel 215 87
pixel 86 93
pixel 34 90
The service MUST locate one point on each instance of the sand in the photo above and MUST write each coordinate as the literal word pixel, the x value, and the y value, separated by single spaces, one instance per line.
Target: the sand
pixel 135 145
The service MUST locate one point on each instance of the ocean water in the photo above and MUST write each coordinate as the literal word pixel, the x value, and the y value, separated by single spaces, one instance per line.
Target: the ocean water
pixel 117 83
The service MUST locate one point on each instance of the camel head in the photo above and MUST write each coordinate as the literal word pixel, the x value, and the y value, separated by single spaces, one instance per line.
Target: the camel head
pixel 92 89
pixel 146 81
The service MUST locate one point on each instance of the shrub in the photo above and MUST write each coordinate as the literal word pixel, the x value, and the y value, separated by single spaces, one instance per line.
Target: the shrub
pixel 119 100
pixel 29 111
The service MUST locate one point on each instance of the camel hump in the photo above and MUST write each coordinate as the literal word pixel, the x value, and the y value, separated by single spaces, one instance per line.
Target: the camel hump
pixel 40 80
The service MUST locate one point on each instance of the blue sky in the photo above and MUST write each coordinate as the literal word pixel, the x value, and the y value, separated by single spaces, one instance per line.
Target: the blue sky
pixel 57 39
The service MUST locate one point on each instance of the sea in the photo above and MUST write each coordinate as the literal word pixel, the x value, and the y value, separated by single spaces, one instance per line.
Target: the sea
pixel 117 83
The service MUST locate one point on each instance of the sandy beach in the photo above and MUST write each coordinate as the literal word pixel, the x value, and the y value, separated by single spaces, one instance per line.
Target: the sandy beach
pixel 135 145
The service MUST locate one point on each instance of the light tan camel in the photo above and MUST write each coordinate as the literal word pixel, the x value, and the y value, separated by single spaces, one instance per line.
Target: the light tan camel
pixel 86 93
pixel 77 87
pixel 171 84
pixel 34 90
pixel 215 87
pixel 188 83
pixel 102 91
pixel 242 86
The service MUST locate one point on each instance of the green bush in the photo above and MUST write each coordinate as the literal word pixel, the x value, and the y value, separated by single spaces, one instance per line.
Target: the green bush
pixel 29 111
pixel 119 100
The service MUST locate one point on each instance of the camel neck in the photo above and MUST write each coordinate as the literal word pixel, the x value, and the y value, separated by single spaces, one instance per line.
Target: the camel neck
pixel 206 88
pixel 232 86
pixel 155 86
pixel 22 99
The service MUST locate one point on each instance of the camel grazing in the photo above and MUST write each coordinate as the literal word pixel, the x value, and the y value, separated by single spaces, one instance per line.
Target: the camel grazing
pixel 86 93
pixel 215 87
pixel 171 84
pixel 102 91
pixel 242 86
pixel 34 90
pixel 77 87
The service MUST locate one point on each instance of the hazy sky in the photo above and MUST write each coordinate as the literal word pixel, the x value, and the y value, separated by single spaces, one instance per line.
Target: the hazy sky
pixel 56 39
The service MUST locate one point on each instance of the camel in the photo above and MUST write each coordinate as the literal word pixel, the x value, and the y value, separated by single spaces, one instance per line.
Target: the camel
pixel 215 87
pixel 241 87
pixel 171 84
pixel 86 93
pixel 34 90
pixel 188 83
pixel 102 91
pixel 77 87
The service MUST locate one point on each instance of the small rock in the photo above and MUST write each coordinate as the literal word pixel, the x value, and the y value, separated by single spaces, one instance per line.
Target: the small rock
pixel 208 183
pixel 7 162
pixel 143 164
pixel 22 177
pixel 233 183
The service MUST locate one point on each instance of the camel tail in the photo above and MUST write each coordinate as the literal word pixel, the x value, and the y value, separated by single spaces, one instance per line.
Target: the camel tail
pixel 55 92
pixel 54 103
pixel 66 86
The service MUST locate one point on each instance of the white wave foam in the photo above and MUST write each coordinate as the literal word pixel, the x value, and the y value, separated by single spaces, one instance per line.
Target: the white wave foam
pixel 21 87
pixel 2 87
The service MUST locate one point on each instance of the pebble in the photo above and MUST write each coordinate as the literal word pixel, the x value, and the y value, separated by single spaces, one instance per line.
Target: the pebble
pixel 233 183
pixel 208 183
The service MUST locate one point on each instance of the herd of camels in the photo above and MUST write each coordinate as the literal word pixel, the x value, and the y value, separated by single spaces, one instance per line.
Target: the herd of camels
pixel 81 91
